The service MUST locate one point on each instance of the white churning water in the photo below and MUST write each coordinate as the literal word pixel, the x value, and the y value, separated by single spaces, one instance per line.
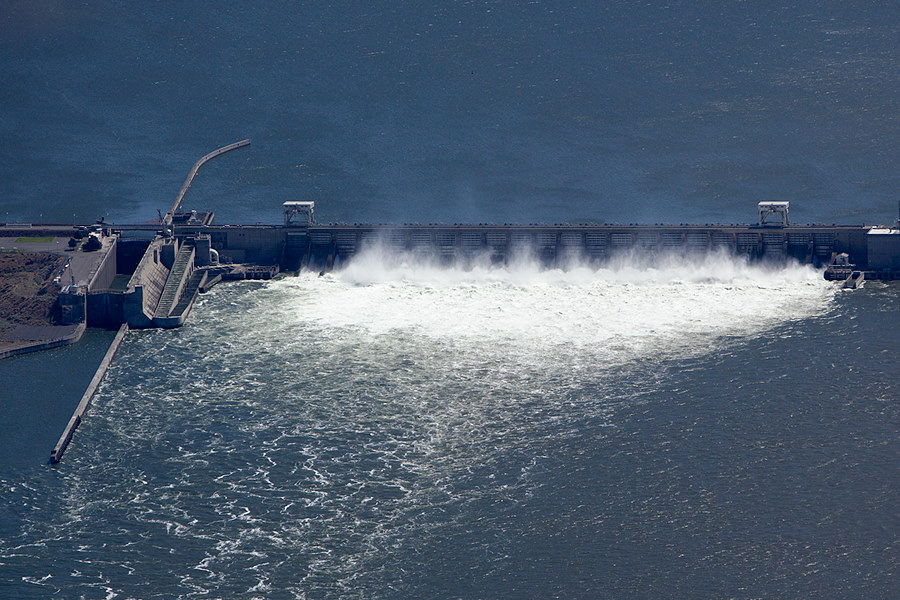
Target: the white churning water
pixel 632 306
pixel 311 434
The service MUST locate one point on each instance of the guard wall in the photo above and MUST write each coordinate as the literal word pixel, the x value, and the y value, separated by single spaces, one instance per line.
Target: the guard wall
pixel 107 269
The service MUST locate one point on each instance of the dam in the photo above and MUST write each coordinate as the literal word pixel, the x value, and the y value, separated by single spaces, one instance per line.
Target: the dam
pixel 310 245
pixel 303 243
pixel 192 254
pixel 152 273
pixel 148 275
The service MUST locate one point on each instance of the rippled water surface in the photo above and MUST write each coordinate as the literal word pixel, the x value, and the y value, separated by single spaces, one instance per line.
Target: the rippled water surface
pixel 404 430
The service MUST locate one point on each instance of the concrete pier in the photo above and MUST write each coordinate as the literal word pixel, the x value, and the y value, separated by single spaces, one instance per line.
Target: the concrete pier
pixel 167 220
pixel 66 437
pixel 34 339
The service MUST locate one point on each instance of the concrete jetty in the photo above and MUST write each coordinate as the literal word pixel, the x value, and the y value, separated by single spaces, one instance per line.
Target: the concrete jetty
pixel 66 437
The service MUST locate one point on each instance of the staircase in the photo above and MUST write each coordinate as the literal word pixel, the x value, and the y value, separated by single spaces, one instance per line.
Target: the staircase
pixel 188 295
pixel 181 269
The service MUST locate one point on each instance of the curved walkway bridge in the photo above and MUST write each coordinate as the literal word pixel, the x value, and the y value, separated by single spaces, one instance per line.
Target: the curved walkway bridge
pixel 167 220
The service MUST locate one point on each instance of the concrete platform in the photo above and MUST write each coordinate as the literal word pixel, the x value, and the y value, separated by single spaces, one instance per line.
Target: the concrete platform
pixel 81 265
pixel 25 339
pixel 79 268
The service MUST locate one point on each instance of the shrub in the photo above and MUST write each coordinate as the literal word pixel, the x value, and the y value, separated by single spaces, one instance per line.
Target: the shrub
pixel 92 244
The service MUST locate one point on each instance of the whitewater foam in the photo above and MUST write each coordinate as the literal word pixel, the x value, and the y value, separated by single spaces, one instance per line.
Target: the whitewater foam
pixel 629 306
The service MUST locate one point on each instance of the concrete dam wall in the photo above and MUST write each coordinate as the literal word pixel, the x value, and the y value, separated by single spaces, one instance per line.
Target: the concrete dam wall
pixel 194 255
pixel 324 246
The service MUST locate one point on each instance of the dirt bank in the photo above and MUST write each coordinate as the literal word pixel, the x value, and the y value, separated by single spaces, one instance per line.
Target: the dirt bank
pixel 27 290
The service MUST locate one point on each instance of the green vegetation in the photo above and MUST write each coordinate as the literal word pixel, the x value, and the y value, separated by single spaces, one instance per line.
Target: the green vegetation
pixel 34 239
pixel 93 243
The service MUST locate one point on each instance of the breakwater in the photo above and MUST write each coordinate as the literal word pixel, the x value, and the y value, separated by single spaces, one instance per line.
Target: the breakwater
pixel 170 214
pixel 66 437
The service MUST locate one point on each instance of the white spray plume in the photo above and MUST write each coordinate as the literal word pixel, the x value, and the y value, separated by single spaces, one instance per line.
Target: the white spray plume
pixel 625 307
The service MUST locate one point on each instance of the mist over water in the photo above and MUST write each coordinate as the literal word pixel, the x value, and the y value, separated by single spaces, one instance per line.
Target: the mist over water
pixel 620 308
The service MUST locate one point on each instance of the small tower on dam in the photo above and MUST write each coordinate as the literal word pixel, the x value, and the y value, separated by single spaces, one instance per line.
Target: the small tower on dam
pixel 303 210
pixel 780 209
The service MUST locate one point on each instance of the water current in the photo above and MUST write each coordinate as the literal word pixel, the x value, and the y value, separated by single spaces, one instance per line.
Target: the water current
pixel 400 429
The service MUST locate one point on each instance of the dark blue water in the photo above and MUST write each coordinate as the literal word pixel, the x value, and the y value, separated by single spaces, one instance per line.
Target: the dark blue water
pixel 405 432
pixel 40 392
pixel 471 111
